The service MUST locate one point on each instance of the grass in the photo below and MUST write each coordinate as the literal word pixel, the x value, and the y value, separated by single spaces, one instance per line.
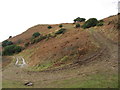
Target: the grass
pixel 92 81
pixel 13 84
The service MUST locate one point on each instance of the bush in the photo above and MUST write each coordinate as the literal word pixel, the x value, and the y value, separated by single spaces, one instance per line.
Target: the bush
pixel 33 41
pixel 12 49
pixel 41 38
pixel 60 31
pixel 10 37
pixel 6 43
pixel 77 25
pixel 90 23
pixel 79 19
pixel 100 23
pixel 27 44
pixel 49 27
pixel 60 25
pixel 36 34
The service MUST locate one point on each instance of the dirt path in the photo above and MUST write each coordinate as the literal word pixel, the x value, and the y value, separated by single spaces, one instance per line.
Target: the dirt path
pixel 20 61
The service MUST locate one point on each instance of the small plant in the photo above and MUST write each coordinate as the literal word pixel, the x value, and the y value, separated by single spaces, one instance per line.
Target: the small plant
pixel 27 44
pixel 36 34
pixel 61 31
pixel 77 25
pixel 10 37
pixel 60 25
pixel 49 27
pixel 100 23
pixel 33 41
pixel 41 38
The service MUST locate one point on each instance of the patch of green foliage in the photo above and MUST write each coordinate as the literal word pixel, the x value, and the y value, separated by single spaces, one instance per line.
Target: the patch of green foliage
pixel 12 49
pixel 77 25
pixel 49 27
pixel 61 31
pixel 27 44
pixel 60 25
pixel 79 19
pixel 100 23
pixel 41 38
pixel 90 23
pixel 36 34
pixel 6 43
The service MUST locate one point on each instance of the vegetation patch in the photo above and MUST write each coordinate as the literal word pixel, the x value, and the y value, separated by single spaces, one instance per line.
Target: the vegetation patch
pixel 90 23
pixel 12 49
pixel 61 31
pixel 7 43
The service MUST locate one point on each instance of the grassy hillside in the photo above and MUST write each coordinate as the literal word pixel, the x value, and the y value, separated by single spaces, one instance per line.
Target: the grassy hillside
pixel 66 57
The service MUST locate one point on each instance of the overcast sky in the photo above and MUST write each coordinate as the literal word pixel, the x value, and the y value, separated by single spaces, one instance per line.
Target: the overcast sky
pixel 17 16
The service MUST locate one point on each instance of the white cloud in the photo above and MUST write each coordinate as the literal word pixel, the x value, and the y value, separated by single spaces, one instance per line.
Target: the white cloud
pixel 18 15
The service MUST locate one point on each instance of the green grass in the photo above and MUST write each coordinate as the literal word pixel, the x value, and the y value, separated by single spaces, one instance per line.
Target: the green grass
pixel 13 84
pixel 92 81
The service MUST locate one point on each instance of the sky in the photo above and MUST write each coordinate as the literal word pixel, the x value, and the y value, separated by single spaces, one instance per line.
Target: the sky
pixel 16 16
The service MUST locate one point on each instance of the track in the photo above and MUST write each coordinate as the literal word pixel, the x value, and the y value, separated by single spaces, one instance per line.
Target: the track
pixel 22 60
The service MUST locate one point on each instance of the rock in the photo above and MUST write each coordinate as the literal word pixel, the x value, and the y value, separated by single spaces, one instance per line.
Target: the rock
pixel 29 84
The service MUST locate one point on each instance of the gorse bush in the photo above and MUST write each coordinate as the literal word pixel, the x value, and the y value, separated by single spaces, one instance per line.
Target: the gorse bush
pixel 49 27
pixel 100 23
pixel 60 25
pixel 61 31
pixel 36 34
pixel 10 37
pixel 41 38
pixel 12 49
pixel 27 44
pixel 6 43
pixel 77 25
pixel 90 23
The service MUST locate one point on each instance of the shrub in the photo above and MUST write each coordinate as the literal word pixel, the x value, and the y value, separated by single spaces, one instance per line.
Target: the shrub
pixel 62 30
pixel 49 27
pixel 100 23
pixel 41 38
pixel 6 43
pixel 27 44
pixel 90 23
pixel 60 25
pixel 77 25
pixel 12 49
pixel 10 37
pixel 36 34
pixel 33 41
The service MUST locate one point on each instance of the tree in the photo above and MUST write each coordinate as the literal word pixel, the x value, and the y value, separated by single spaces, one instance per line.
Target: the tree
pixel 90 23
pixel 60 25
pixel 79 19
pixel 36 34
pixel 49 27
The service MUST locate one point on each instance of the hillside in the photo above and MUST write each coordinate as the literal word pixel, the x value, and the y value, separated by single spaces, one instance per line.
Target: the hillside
pixel 84 57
